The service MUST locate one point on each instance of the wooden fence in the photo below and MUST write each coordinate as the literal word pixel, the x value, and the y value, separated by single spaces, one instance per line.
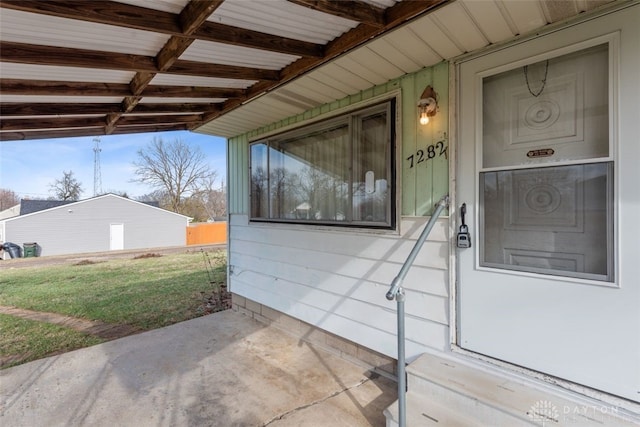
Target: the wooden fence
pixel 207 233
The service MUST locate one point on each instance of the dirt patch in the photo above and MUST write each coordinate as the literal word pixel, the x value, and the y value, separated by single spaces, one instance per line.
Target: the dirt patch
pixel 218 299
pixel 12 359
pixel 107 331
pixel 87 262
pixel 101 256
pixel 148 255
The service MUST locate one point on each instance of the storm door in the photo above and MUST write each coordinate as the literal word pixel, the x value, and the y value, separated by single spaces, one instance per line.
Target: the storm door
pixel 542 285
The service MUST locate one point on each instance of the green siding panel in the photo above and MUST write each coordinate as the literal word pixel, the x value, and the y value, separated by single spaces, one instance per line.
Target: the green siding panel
pixel 239 175
pixel 424 178
pixel 425 166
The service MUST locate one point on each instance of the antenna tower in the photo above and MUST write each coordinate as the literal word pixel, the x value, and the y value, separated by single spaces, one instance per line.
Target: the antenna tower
pixel 97 175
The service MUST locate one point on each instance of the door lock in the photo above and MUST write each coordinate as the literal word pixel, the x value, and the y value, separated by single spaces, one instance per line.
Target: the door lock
pixel 463 239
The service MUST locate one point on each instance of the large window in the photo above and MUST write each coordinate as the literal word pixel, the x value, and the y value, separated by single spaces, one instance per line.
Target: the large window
pixel 334 172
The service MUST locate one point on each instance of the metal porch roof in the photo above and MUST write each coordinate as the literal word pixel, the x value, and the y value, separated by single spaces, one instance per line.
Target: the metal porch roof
pixel 224 67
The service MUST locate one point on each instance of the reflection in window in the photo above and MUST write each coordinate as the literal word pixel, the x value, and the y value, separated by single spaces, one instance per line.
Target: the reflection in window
pixel 335 172
pixel 552 220
pixel 558 106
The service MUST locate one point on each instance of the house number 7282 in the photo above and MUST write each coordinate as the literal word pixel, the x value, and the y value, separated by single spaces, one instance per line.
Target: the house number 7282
pixel 434 150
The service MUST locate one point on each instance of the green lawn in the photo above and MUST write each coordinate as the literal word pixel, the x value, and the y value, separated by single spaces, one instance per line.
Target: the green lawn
pixel 145 293
pixel 25 340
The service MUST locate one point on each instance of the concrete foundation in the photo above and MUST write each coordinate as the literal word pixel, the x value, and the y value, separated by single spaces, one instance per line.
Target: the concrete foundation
pixel 349 350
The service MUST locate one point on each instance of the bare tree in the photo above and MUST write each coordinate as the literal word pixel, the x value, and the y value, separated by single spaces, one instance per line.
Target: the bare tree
pixel 8 199
pixel 66 188
pixel 259 192
pixel 216 203
pixel 209 202
pixel 194 209
pixel 174 168
pixel 159 196
pixel 214 198
pixel 116 192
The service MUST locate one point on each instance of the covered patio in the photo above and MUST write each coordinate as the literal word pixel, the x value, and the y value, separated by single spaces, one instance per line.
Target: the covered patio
pixel 224 369
pixel 252 70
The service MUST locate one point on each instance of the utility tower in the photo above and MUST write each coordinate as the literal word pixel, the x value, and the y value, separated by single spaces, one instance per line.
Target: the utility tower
pixel 97 175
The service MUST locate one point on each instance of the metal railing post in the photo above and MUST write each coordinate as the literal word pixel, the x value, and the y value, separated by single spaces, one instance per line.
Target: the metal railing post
pixel 396 291
pixel 402 369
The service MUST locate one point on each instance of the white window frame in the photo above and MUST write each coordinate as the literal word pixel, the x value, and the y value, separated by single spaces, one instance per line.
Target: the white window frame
pixel 350 116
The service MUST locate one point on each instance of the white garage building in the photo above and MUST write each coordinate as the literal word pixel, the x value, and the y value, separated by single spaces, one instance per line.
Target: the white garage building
pixel 102 223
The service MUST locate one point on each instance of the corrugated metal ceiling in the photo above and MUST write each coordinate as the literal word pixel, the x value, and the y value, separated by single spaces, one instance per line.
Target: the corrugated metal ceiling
pixel 69 74
pixel 219 53
pixel 224 79
pixel 172 6
pixel 19 27
pixel 281 18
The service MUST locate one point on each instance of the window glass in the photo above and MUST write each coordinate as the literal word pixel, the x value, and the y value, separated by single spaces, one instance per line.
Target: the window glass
pixel 371 170
pixel 548 111
pixel 552 220
pixel 334 172
pixel 259 181
pixel 310 175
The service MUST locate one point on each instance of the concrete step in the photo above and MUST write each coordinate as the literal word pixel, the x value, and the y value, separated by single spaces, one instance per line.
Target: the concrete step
pixel 455 391
pixel 482 395
pixel 427 414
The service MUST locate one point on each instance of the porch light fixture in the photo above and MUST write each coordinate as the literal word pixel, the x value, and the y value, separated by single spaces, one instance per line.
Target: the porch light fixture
pixel 428 105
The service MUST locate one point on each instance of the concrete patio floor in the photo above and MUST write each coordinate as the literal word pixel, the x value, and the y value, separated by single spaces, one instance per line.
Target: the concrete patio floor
pixel 224 369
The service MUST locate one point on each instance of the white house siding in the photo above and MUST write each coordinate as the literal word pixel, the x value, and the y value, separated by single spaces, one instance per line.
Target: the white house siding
pixel 85 226
pixel 337 280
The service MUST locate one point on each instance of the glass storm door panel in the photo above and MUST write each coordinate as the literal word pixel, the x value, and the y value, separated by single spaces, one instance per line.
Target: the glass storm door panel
pixel 547 111
pixel 552 220
pixel 546 168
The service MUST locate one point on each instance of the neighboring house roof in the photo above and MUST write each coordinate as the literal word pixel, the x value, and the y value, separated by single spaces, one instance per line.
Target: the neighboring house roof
pixel 61 204
pixel 153 203
pixel 11 212
pixel 31 206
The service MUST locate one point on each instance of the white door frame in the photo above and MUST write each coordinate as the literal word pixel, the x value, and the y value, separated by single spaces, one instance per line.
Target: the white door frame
pixel 454 212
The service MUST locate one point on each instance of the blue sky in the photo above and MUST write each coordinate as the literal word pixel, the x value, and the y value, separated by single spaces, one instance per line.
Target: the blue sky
pixel 29 167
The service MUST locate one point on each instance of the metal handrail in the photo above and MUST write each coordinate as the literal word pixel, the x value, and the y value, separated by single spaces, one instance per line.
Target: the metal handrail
pixel 396 291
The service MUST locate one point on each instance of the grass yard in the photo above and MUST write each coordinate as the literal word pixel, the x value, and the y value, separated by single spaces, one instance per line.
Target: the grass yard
pixel 144 293
pixel 24 340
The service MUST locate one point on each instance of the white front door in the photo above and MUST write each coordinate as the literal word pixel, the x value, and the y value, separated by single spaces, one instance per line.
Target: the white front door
pixel 116 237
pixel 548 166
